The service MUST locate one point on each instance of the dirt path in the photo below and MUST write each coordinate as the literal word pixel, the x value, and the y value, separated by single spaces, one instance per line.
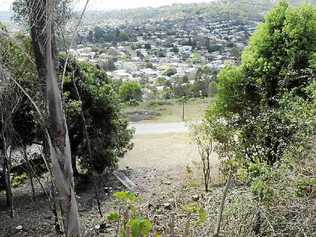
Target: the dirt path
pixel 169 152
pixel 159 128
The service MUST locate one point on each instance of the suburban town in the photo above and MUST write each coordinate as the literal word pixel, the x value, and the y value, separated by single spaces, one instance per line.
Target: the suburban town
pixel 159 52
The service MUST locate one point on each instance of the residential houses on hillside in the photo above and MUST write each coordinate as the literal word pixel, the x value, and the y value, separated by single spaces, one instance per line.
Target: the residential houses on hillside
pixel 156 46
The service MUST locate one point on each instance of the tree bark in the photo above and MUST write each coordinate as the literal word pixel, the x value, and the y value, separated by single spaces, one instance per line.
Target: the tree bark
pixel 9 195
pixel 43 40
pixel 30 171
pixel 221 208
pixel 74 166
pixel 7 171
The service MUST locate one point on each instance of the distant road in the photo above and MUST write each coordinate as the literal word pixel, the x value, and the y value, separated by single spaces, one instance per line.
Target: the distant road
pixel 159 128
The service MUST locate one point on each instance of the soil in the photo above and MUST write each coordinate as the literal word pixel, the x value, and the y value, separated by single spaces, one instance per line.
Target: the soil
pixel 157 165
pixel 158 189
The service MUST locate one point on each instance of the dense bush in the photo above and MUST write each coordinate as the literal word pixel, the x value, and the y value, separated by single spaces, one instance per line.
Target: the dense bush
pixel 98 114
pixel 131 92
pixel 109 35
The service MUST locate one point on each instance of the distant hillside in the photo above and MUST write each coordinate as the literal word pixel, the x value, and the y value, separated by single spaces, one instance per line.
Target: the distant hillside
pixel 241 9
pixel 236 9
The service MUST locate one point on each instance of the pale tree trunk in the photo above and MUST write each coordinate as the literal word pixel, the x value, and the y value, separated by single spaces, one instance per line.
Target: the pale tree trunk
pixel 222 206
pixel 29 171
pixel 7 170
pixel 42 33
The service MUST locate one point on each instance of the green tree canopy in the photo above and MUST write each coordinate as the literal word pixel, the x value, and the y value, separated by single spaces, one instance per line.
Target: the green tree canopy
pixel 107 127
pixel 269 98
pixel 130 92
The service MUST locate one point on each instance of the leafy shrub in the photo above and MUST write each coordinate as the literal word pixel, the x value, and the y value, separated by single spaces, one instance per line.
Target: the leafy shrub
pixel 129 223
pixel 98 103
pixel 18 180
pixel 195 208
pixel 131 92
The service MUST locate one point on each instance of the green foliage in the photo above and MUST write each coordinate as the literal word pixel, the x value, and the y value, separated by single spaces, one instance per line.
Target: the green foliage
pixel 140 227
pixel 125 197
pixel 229 91
pixel 129 222
pixel 196 58
pixel 202 135
pixel 113 217
pixel 15 54
pixel 282 196
pixel 131 92
pixel 268 101
pixel 261 190
pixel 194 87
pixel 18 180
pixel 102 35
pixel 106 126
pixel 214 47
pixel 195 208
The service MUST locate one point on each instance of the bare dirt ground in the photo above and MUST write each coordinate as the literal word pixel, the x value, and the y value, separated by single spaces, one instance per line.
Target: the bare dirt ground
pixel 166 152
pixel 157 164
pixel 159 128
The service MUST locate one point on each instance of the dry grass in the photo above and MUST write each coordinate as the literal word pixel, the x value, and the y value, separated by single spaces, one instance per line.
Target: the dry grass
pixel 169 111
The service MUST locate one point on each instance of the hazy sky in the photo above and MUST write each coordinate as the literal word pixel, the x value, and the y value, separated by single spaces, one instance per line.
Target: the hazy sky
pixel 114 4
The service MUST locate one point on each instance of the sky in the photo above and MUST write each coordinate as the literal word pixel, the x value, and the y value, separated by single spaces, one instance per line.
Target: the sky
pixel 113 4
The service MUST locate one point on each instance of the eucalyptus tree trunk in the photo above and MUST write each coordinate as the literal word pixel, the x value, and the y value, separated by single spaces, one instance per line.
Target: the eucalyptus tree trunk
pixel 29 171
pixel 42 14
pixel 7 169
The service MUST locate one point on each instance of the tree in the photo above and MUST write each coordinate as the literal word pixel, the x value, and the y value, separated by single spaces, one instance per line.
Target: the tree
pixel 183 100
pixel 202 137
pixel 17 124
pixel 44 46
pixel 8 102
pixel 88 90
pixel 131 92
pixel 99 34
pixel 263 97
pixel 91 36
pixel 196 58
pixel 101 110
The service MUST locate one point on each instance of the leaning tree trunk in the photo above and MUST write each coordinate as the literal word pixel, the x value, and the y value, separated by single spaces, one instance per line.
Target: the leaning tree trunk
pixel 43 40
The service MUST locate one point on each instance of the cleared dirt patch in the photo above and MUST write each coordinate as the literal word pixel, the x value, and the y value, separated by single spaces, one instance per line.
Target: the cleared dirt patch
pixel 157 165
pixel 170 153
pixel 162 151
